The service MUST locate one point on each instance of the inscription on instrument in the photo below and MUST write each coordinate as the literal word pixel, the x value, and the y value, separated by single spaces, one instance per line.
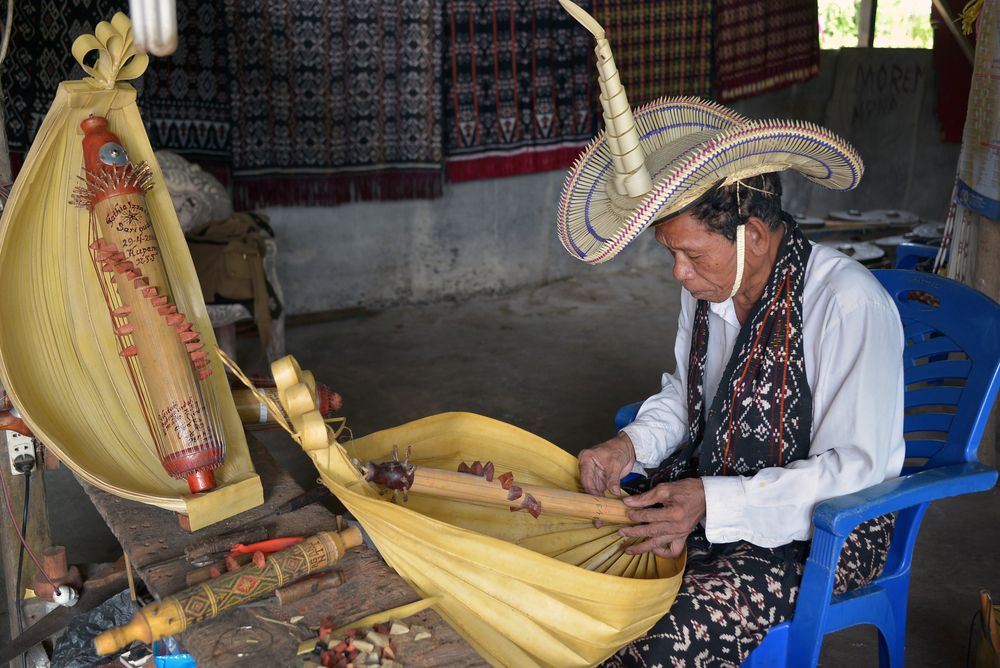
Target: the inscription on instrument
pixel 137 240
pixel 186 420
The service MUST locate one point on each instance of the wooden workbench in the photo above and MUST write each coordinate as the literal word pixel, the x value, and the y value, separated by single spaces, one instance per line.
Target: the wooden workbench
pixel 243 636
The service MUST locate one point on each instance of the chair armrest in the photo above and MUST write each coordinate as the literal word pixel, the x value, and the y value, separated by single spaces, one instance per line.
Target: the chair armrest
pixel 839 516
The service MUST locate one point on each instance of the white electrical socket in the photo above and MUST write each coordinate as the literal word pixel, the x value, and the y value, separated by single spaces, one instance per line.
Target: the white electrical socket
pixel 17 445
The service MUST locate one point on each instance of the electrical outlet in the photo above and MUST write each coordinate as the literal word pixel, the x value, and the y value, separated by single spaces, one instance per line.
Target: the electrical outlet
pixel 17 446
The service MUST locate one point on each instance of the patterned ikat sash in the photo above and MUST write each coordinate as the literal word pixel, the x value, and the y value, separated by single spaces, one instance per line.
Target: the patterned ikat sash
pixel 761 415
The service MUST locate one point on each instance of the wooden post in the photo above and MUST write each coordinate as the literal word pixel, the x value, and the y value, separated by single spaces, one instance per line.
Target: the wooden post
pixel 866 23
pixel 38 531
pixel 986 279
pixel 6 173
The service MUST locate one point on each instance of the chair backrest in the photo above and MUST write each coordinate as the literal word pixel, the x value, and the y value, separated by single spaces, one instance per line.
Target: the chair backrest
pixel 908 256
pixel 951 360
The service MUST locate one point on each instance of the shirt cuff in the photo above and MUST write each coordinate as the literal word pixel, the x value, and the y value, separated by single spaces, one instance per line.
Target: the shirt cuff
pixel 644 445
pixel 725 508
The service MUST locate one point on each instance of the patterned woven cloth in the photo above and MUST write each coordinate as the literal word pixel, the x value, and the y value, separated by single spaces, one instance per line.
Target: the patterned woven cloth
pixel 335 102
pixel 761 415
pixel 662 47
pixel 761 45
pixel 289 102
pixel 520 92
pixel 39 59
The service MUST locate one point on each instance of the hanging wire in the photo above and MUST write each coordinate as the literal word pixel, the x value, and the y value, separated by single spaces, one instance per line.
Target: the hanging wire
pixel 6 30
pixel 19 591
pixel 20 535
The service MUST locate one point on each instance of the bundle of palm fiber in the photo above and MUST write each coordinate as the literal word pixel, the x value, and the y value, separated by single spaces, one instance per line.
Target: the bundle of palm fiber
pixel 60 357
pixel 523 591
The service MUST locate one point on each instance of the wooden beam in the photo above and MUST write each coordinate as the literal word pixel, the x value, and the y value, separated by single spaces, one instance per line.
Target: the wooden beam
pixel 38 531
pixel 866 23
pixel 952 24
pixel 986 279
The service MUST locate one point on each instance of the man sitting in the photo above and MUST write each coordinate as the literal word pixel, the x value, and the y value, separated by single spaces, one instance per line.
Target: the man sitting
pixel 788 393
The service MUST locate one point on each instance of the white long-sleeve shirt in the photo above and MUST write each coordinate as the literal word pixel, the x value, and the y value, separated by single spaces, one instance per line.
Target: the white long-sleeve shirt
pixel 853 347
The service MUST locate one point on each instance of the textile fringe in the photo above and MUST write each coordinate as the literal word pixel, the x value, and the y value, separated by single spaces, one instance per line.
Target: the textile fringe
pixel 250 192
pixel 492 167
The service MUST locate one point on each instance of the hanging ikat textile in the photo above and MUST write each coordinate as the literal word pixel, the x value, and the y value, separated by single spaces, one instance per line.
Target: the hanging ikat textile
pixel 290 102
pixel 335 102
pixel 184 99
pixel 662 47
pixel 298 103
pixel 520 92
pixel 761 45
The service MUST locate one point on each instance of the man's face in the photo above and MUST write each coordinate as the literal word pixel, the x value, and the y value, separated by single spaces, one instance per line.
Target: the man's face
pixel 704 261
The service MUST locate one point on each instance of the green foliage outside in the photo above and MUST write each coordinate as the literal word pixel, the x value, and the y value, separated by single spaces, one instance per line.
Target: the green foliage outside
pixel 898 24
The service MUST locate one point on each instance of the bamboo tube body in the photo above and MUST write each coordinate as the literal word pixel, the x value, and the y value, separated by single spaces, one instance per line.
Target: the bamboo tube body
pixel 206 600
pixel 253 411
pixel 164 363
pixel 468 487
pixel 160 347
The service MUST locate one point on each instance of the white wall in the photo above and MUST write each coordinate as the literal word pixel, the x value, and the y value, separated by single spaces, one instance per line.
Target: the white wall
pixel 499 235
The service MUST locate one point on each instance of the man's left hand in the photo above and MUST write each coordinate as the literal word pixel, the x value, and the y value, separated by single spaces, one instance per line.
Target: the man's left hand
pixel 665 528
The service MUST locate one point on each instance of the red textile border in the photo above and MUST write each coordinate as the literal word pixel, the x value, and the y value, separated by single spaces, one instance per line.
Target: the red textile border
pixel 497 166
pixel 251 192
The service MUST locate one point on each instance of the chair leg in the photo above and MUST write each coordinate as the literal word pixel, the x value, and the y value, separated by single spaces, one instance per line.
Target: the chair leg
pixel 892 638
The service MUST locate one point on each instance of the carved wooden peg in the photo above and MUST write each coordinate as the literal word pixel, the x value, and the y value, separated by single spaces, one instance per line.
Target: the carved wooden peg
pixel 129 352
pixel 121 311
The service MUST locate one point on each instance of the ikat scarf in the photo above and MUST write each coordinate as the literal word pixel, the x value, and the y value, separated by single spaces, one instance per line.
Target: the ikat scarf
pixel 761 415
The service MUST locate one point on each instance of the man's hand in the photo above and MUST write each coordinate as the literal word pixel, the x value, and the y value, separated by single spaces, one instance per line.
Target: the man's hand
pixel 603 466
pixel 665 528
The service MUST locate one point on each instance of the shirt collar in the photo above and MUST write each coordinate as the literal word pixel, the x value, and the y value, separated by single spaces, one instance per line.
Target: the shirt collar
pixel 726 311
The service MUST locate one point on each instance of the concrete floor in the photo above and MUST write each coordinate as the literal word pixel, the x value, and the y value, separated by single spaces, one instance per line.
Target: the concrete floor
pixel 558 360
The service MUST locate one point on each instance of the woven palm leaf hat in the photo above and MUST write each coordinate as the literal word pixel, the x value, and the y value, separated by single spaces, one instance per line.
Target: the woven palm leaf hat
pixel 653 163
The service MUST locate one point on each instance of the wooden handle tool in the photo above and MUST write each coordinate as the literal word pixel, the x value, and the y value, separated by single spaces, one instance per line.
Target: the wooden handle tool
pixel 206 600
pixel 479 483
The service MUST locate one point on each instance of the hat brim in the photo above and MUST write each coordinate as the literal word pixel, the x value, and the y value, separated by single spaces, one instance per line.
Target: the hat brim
pixel 595 224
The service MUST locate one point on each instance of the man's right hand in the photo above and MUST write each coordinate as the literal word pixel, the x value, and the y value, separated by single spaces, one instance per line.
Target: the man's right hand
pixel 603 466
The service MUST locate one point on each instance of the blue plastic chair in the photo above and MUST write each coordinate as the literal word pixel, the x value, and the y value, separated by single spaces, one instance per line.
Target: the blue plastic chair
pixel 908 256
pixel 952 373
